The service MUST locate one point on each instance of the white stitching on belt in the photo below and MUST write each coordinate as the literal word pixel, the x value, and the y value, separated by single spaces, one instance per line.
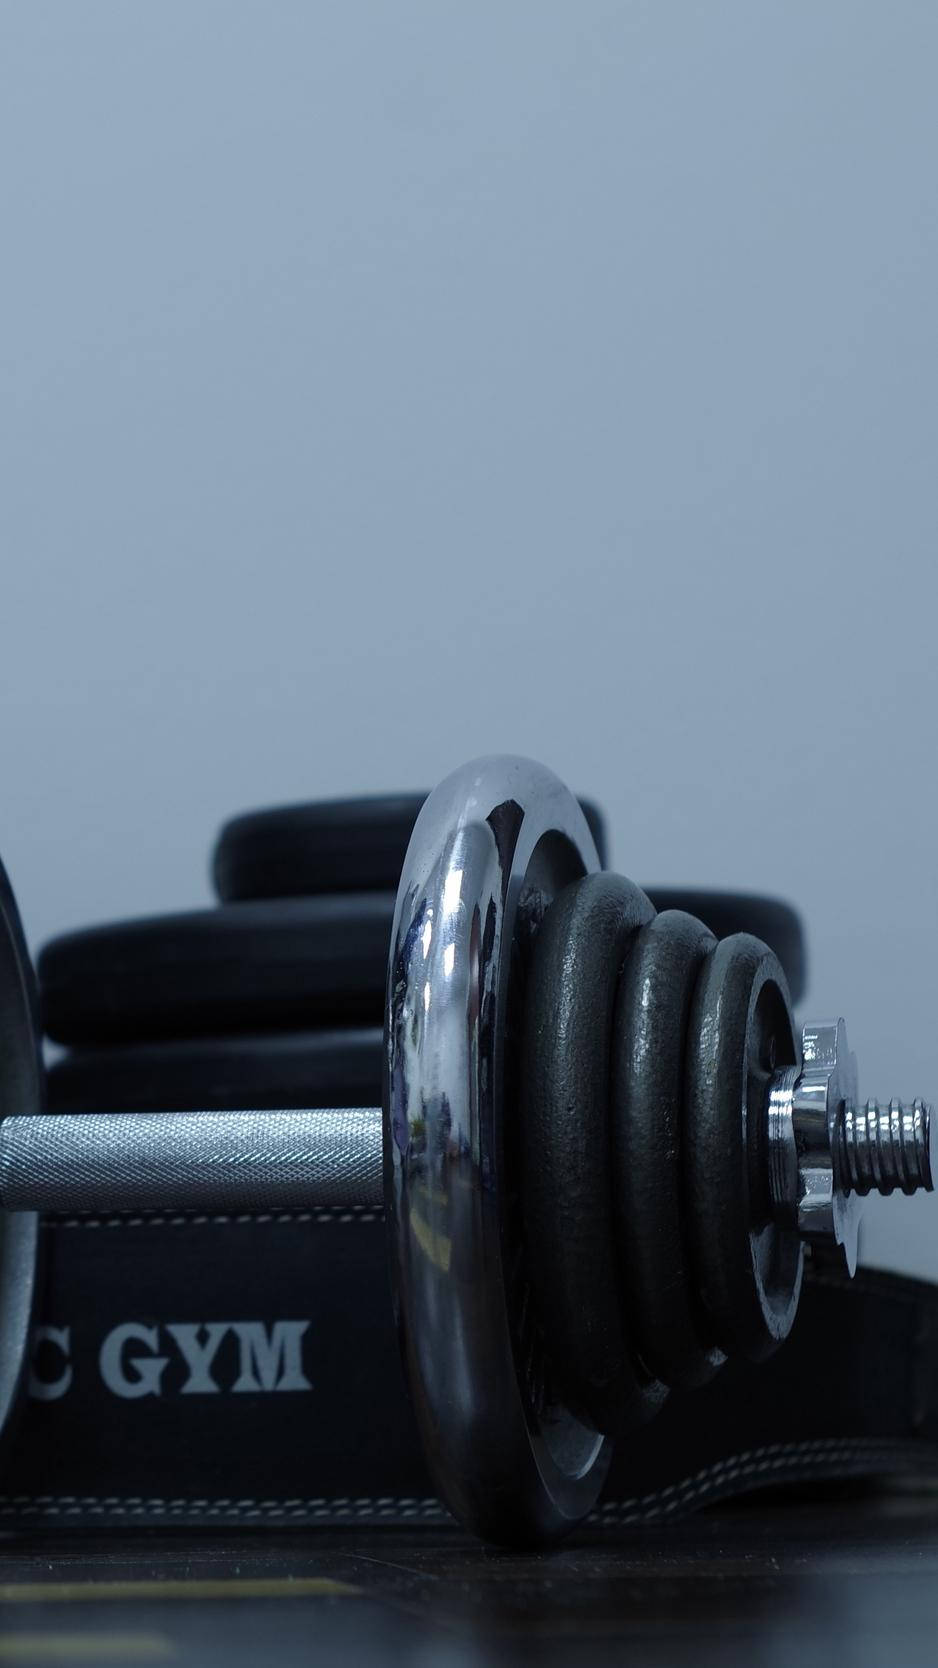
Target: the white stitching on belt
pixel 333 1213
pixel 774 1460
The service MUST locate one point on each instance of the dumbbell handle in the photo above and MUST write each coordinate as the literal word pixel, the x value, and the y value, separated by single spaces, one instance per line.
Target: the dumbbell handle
pixel 119 1162
pixel 191 1161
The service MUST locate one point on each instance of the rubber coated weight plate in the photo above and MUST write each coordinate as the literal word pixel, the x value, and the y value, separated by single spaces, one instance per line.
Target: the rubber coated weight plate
pixel 335 845
pixel 776 923
pixel 748 1270
pixel 286 964
pixel 652 1009
pixel 567 1202
pixel 310 1068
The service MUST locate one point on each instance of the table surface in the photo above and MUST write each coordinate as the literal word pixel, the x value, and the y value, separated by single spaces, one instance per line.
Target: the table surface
pixel 852 1580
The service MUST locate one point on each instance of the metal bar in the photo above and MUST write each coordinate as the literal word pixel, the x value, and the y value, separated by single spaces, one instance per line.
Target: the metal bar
pixel 115 1162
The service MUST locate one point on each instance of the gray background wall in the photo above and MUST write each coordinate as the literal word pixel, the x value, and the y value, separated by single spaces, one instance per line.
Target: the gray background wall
pixel 385 384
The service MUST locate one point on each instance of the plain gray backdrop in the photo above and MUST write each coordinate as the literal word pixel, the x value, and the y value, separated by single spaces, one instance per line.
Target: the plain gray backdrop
pixel 384 384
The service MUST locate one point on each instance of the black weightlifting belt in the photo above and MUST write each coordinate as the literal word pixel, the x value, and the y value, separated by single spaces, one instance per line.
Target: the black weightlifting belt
pixel 245 1371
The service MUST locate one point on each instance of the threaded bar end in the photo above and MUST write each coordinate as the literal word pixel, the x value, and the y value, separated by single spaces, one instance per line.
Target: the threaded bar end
pixel 883 1148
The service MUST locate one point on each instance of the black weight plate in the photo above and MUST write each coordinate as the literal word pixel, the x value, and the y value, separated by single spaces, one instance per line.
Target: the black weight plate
pixel 333 845
pixel 747 1269
pixel 21 1093
pixel 304 1068
pixel 285 964
pixel 775 922
pixel 652 1009
pixel 566 1194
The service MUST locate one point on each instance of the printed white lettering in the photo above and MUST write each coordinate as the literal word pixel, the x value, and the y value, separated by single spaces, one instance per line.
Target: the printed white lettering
pixel 269 1358
pixel 50 1389
pixel 271 1361
pixel 148 1370
pixel 199 1356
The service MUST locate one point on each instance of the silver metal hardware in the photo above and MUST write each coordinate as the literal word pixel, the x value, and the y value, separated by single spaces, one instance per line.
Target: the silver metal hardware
pixel 826 1152
pixel 105 1162
pixel 491 848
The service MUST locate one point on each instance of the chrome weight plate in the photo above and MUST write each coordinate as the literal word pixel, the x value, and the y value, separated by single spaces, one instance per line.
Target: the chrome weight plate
pixel 492 847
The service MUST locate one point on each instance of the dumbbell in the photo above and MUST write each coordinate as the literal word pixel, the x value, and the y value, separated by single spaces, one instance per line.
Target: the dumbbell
pixel 602 1151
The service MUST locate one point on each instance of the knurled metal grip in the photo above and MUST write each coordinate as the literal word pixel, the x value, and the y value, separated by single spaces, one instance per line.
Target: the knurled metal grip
pixel 512 1451
pixel 110 1162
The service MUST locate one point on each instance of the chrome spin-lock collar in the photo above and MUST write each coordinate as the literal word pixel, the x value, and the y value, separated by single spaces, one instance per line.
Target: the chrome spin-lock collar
pixel 826 1152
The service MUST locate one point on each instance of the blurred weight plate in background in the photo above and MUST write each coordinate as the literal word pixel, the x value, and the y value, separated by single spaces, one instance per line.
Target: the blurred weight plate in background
pixel 281 964
pixel 317 1068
